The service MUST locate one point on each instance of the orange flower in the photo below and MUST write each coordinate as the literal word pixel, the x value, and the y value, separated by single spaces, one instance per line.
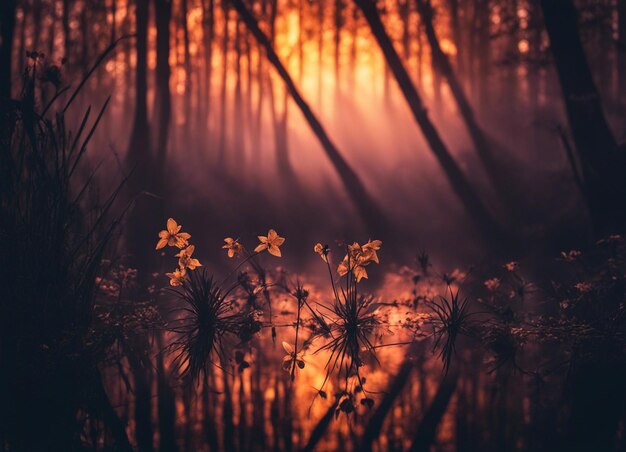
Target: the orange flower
pixel 369 250
pixel 185 260
pixel 291 357
pixel 358 258
pixel 178 277
pixel 172 236
pixel 492 284
pixel 271 243
pixel 322 250
pixel 233 246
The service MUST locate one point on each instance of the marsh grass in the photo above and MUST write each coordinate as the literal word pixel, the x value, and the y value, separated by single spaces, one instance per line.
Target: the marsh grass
pixel 55 230
pixel 208 319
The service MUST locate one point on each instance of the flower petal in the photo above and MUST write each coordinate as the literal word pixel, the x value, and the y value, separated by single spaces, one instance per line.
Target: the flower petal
pixel 274 251
pixel 172 226
pixel 287 347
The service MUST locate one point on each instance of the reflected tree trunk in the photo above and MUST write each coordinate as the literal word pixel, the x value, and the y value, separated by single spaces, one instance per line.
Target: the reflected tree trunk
pixel 427 429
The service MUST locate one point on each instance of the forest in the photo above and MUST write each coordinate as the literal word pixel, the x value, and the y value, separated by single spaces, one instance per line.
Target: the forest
pixel 312 225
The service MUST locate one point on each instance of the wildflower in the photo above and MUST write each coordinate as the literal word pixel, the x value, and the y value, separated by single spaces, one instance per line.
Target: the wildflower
pixel 510 266
pixel 583 287
pixel 178 277
pixel 270 243
pixel 172 236
pixel 571 255
pixel 185 260
pixel 358 258
pixel 233 246
pixel 492 284
pixel 291 358
pixel 322 250
pixel 370 248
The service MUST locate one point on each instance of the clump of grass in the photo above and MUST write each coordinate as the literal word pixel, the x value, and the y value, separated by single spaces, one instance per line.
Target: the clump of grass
pixel 208 319
pixel 450 320
pixel 54 232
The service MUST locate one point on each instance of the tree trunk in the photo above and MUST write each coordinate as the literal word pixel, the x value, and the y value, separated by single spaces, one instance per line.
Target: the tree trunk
pixel 222 143
pixel 460 185
pixel 208 34
pixel 369 211
pixel 496 176
pixel 7 27
pixel 143 398
pixel 375 423
pixel 166 403
pixel 427 429
pixel 163 104
pixel 188 84
pixel 603 163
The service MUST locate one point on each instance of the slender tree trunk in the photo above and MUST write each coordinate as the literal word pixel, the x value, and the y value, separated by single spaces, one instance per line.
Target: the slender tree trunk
pixel 621 50
pixel 427 429
pixel 603 162
pixel 460 184
pixel 367 208
pixel 7 28
pixel 208 34
pixel 222 143
pixel 101 405
pixel 375 423
pixel 227 407
pixel 497 177
pixel 166 404
pixel 188 74
pixel 238 136
pixel 143 400
pixel 208 426
pixel 163 104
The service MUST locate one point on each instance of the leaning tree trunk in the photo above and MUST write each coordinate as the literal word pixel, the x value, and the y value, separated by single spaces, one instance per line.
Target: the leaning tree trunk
pixel 375 424
pixel 366 206
pixel 603 162
pixel 427 429
pixel 460 185
pixel 495 174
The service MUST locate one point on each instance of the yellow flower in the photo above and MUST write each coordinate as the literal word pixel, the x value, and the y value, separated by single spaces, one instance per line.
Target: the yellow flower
pixel 172 236
pixel 233 246
pixel 358 258
pixel 178 277
pixel 270 243
pixel 322 250
pixel 369 250
pixel 291 357
pixel 492 284
pixel 185 260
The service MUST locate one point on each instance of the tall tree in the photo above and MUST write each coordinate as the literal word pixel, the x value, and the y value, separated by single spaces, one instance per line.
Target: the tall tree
pixel 366 206
pixel 163 103
pixel 7 28
pixel 603 162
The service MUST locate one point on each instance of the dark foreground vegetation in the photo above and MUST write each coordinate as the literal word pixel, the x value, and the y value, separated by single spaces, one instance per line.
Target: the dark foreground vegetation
pixel 109 344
